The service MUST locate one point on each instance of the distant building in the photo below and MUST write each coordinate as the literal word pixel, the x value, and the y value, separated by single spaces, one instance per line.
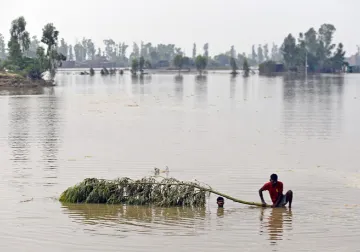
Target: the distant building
pixel 353 63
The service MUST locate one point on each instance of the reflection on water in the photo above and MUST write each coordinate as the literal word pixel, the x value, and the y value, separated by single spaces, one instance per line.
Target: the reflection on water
pixel 22 91
pixel 19 135
pixel 169 221
pixel 313 107
pixel 201 90
pixel 179 87
pixel 274 222
pixel 49 126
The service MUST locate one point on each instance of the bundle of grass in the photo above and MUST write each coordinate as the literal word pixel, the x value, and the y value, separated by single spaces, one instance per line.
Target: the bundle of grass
pixel 166 192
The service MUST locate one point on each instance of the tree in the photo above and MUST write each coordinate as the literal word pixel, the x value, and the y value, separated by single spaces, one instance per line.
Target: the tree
pixel 84 49
pixel 50 38
pixel 200 63
pixel 253 54
pixel 232 52
pixel 260 54
pixel 78 49
pixel 90 49
pixel 289 51
pixel 246 68
pixel 233 65
pixel 326 33
pixel 266 52
pixel 71 55
pixel 178 62
pixel 110 49
pixel 34 44
pixel 63 48
pixel 134 66
pixel 141 64
pixel 2 47
pixel 136 51
pixel 19 39
pixel 339 58
pixel 98 54
pixel 206 50
pixel 123 50
pixel 194 52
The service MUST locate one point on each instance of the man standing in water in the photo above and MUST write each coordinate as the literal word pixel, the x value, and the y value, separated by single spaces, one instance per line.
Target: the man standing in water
pixel 275 189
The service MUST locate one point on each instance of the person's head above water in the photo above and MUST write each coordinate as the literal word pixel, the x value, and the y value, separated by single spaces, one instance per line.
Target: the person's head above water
pixel 273 178
pixel 220 201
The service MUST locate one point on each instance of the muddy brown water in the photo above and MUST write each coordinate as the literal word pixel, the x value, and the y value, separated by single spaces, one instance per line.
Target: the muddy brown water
pixel 231 133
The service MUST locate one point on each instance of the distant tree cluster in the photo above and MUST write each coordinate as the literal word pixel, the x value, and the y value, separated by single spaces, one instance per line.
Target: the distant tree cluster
pixel 315 46
pixel 27 56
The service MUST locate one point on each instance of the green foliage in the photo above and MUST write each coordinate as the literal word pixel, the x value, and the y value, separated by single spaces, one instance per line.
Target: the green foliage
pixel 178 62
pixel 289 51
pixel 194 52
pixel 246 68
pixel 233 65
pixel 50 38
pixel 206 50
pixel 266 52
pixel 200 63
pixel 148 64
pixel 316 48
pixel 134 66
pixel 70 51
pixel 63 48
pixel 2 47
pixel 146 191
pixel 253 54
pixel 260 54
pixel 19 39
pixel 141 64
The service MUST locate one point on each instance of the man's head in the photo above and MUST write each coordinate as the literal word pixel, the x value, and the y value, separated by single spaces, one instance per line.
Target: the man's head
pixel 273 179
pixel 220 201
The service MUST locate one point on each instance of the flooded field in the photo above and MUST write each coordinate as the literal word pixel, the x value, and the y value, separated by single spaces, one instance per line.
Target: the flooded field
pixel 230 133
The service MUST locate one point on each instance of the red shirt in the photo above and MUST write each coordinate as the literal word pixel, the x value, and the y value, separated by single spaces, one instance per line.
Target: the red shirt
pixel 273 190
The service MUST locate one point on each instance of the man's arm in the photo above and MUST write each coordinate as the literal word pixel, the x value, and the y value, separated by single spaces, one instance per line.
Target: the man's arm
pixel 262 197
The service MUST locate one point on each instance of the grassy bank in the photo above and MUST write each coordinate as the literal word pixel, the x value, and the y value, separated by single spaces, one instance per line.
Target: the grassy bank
pixel 17 80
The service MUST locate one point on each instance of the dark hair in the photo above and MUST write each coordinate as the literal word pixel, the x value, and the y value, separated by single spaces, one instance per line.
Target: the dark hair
pixel 220 199
pixel 274 177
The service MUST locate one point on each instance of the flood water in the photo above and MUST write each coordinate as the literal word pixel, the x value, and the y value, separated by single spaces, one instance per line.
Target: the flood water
pixel 230 133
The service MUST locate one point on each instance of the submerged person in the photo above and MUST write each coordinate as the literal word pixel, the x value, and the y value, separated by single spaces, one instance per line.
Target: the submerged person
pixel 275 189
pixel 220 201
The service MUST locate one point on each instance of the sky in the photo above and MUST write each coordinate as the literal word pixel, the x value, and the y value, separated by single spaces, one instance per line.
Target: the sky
pixel 221 23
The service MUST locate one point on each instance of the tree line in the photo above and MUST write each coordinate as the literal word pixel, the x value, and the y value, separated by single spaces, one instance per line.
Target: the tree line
pixel 314 47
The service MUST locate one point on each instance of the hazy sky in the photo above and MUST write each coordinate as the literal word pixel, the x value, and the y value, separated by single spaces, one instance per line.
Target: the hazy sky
pixel 222 23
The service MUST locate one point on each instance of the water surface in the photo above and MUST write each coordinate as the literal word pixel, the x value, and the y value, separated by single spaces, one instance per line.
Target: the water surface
pixel 231 133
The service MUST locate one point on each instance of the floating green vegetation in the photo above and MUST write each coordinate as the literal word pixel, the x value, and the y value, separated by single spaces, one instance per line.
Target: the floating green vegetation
pixel 166 192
